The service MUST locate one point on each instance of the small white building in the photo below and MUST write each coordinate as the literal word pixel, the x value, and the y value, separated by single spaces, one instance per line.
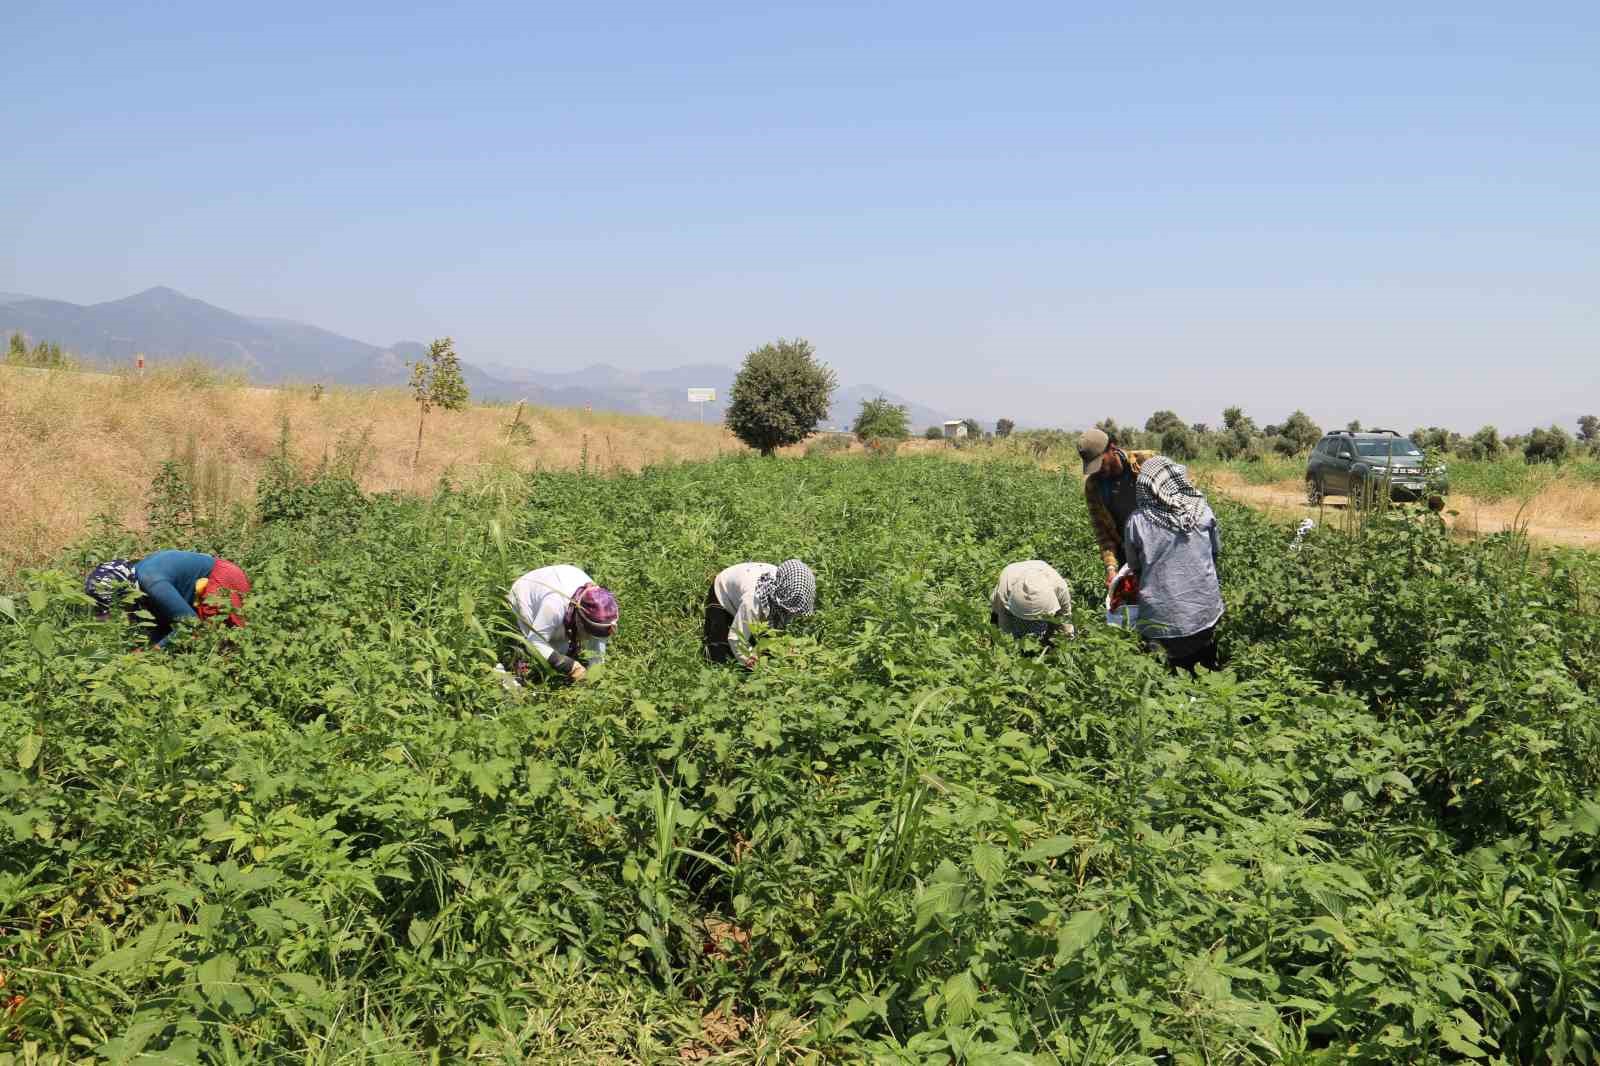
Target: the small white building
pixel 955 428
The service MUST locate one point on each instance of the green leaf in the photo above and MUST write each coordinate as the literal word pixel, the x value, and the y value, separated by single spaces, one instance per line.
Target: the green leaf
pixel 215 978
pixel 28 749
pixel 1076 935
pixel 942 899
pixel 960 997
pixel 1047 849
pixel 44 639
pixel 303 984
pixel 1221 877
pixel 541 776
pixel 989 862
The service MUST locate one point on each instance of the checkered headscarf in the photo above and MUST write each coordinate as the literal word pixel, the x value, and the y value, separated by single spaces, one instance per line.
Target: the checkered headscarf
pixel 1165 493
pixel 788 592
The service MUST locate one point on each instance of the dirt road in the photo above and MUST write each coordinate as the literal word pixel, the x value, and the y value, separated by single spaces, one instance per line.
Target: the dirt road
pixel 1464 514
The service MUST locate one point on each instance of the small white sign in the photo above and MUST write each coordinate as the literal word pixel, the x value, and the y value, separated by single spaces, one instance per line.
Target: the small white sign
pixel 702 395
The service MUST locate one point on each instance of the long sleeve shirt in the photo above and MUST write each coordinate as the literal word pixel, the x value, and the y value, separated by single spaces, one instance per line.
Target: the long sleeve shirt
pixel 736 593
pixel 1179 593
pixel 172 581
pixel 1110 505
pixel 539 600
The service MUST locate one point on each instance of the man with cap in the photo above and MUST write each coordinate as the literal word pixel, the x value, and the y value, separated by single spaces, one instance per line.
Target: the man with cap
pixel 564 617
pixel 1031 599
pixel 1109 477
pixel 754 592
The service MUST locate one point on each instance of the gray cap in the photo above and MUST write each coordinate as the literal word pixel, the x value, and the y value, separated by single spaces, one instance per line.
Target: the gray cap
pixel 1092 444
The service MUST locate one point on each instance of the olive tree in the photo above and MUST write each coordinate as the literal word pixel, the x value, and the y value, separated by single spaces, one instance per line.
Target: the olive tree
pixel 779 396
pixel 1301 431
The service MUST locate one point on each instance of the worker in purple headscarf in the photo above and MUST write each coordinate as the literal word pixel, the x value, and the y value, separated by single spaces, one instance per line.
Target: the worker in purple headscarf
pixel 564 617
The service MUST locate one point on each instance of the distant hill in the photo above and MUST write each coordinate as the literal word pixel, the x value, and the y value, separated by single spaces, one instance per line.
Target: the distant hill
pixel 163 324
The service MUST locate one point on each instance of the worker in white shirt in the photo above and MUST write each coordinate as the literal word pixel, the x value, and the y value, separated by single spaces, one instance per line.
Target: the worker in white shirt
pixel 564 617
pixel 750 592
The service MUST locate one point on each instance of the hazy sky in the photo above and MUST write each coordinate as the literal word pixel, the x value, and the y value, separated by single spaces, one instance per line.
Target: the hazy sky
pixel 1031 210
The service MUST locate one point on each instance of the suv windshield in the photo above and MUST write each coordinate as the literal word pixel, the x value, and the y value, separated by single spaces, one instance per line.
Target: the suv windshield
pixel 1382 448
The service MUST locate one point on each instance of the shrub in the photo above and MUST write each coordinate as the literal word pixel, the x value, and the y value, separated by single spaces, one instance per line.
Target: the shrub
pixel 1178 442
pixel 827 444
pixel 934 433
pixel 1551 445
pixel 880 418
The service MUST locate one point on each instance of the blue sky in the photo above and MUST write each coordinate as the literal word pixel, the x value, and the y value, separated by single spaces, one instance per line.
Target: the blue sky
pixel 1042 211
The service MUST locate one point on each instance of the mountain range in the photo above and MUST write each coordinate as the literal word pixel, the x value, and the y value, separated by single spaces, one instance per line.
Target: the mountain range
pixel 164 324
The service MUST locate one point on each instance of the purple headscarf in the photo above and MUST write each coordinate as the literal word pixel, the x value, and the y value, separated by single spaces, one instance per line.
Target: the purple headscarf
pixel 596 608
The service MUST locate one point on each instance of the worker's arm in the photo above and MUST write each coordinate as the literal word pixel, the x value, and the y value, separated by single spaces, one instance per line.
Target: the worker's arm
pixel 169 606
pixel 1105 526
pixel 739 641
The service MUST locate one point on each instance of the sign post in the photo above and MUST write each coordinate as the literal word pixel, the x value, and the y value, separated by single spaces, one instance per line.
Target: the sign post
pixel 702 397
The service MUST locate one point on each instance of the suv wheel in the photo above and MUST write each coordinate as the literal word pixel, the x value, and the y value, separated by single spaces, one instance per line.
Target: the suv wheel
pixel 1314 491
pixel 1360 493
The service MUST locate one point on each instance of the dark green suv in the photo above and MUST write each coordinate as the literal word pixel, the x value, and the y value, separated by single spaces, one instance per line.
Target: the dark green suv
pixel 1356 465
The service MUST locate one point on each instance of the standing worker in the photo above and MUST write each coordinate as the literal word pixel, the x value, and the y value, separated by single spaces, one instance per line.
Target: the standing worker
pixel 1031 599
pixel 750 592
pixel 1109 476
pixel 1173 545
pixel 564 617
pixel 173 586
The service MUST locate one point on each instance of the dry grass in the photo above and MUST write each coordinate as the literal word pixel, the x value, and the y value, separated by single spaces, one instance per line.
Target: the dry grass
pixel 78 445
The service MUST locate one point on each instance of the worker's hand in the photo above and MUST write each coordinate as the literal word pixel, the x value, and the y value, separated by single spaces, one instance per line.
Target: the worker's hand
pixel 748 662
pixel 579 672
pixel 1111 576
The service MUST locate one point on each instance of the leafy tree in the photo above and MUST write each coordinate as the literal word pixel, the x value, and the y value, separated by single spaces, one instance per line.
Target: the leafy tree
pixel 780 395
pixel 1200 428
pixel 1547 445
pixel 974 428
pixel 1589 429
pixel 1161 422
pixel 1485 443
pixel 1004 427
pixel 1354 425
pixel 1234 419
pixel 1303 432
pixel 17 353
pixel 934 433
pixel 1238 433
pixel 1178 442
pixel 436 381
pixel 880 418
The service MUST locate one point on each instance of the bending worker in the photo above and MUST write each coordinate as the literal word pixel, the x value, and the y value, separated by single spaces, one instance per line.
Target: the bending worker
pixel 564 617
pixel 173 586
pixel 754 592
pixel 1109 475
pixel 1173 546
pixel 1031 599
